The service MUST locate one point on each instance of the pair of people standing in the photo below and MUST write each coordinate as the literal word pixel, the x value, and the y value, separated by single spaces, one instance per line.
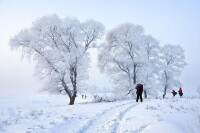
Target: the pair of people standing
pixel 84 96
pixel 180 92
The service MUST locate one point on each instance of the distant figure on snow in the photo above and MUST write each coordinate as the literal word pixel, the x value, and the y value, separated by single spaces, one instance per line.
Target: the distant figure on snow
pixel 180 92
pixel 85 96
pixel 174 93
pixel 139 90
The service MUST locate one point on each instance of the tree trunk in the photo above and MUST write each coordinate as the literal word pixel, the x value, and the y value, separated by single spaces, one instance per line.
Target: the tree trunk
pixel 165 90
pixel 71 96
pixel 73 77
pixel 72 100
pixel 134 74
pixel 145 94
pixel 130 81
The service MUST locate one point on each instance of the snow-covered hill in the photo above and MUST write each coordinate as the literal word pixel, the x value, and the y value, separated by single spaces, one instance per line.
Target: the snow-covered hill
pixel 53 114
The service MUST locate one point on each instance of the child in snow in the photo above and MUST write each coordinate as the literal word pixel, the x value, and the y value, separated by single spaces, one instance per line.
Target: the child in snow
pixel 139 90
pixel 180 92
pixel 174 93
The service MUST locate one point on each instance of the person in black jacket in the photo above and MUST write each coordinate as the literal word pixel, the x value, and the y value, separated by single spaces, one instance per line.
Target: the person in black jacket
pixel 174 93
pixel 139 90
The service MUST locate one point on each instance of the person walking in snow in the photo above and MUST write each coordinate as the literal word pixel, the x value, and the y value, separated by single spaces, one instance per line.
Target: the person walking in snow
pixel 174 93
pixel 139 90
pixel 180 92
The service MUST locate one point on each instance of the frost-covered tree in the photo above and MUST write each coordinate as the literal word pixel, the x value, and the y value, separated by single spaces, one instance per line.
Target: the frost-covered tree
pixel 150 70
pixel 198 91
pixel 127 56
pixel 60 49
pixel 173 61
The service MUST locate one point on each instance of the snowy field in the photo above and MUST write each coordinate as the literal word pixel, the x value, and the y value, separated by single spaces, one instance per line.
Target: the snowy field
pixel 52 114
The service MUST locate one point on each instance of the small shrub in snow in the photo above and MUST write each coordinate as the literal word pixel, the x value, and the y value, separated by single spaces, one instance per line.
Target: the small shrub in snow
pixel 41 126
pixel 171 106
pixel 150 108
pixel 104 98
pixel 52 123
pixel 5 122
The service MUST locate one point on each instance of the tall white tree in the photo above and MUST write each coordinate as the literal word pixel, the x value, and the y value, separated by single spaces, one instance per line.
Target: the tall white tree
pixel 173 61
pixel 60 49
pixel 127 55
pixel 150 70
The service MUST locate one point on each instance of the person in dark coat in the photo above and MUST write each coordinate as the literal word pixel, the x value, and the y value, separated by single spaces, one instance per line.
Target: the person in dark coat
pixel 174 93
pixel 180 92
pixel 139 90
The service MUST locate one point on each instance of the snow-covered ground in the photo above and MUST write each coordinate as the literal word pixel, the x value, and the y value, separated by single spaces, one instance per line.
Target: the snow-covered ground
pixel 44 114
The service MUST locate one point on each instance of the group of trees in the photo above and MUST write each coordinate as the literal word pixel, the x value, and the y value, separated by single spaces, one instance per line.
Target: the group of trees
pixel 128 56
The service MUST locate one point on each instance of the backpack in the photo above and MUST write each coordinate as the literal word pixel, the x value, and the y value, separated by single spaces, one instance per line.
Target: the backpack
pixel 140 87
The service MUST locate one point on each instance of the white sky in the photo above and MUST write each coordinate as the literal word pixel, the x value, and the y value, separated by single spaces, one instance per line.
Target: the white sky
pixel 169 21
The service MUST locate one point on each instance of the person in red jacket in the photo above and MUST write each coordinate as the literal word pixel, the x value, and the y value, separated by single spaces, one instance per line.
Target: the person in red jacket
pixel 180 92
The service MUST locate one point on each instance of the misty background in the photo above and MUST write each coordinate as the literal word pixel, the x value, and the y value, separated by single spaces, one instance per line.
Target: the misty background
pixel 169 21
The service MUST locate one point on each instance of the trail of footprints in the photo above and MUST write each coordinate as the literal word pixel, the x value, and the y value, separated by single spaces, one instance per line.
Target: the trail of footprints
pixel 109 120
